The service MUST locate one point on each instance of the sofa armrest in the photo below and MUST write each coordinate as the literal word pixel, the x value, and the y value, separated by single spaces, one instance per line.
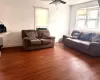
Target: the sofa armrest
pixel 95 45
pixel 26 38
pixel 95 48
pixel 26 42
pixel 52 39
pixel 64 37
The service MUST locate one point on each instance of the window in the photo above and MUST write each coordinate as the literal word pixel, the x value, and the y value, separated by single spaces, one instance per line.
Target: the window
pixel 88 18
pixel 41 17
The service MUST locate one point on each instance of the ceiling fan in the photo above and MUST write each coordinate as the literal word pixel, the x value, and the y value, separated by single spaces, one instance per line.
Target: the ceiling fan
pixel 56 1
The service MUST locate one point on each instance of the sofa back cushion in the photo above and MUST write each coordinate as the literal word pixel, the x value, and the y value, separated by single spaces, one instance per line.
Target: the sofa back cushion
pixel 41 28
pixel 85 36
pixel 32 34
pixel 43 33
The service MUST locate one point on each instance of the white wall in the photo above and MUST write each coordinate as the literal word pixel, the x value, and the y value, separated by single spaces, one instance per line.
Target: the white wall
pixel 73 12
pixel 19 14
pixel 59 20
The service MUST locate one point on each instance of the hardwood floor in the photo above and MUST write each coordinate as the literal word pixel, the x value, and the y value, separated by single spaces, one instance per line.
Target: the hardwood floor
pixel 58 63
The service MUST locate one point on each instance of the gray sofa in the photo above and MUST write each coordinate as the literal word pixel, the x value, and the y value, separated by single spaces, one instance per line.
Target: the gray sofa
pixel 85 41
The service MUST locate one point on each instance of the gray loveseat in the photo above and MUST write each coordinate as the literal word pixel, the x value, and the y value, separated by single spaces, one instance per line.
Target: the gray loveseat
pixel 85 41
pixel 37 39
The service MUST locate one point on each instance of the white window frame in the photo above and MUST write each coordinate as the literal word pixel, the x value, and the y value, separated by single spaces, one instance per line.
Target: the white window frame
pixel 86 20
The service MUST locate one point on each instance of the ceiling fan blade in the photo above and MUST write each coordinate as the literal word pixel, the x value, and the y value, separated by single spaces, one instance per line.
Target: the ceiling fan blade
pixel 53 2
pixel 57 1
pixel 63 2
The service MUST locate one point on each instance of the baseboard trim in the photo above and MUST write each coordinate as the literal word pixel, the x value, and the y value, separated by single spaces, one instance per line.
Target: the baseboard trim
pixel 12 47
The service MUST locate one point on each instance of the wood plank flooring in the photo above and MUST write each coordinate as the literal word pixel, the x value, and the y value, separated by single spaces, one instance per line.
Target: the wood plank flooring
pixel 58 63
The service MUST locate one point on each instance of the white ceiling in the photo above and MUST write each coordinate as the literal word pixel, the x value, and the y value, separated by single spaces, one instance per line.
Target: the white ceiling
pixel 72 2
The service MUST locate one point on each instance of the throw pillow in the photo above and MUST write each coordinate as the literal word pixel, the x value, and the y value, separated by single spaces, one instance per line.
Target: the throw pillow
pixel 75 31
pixel 85 36
pixel 75 35
pixel 96 38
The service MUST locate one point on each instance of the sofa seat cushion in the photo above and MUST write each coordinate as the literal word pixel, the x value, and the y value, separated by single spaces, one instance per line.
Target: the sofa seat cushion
pixel 45 41
pixel 36 42
pixel 79 44
pixel 74 43
pixel 85 44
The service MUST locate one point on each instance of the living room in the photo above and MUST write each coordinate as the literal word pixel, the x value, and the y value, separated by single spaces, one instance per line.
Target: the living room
pixel 49 40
